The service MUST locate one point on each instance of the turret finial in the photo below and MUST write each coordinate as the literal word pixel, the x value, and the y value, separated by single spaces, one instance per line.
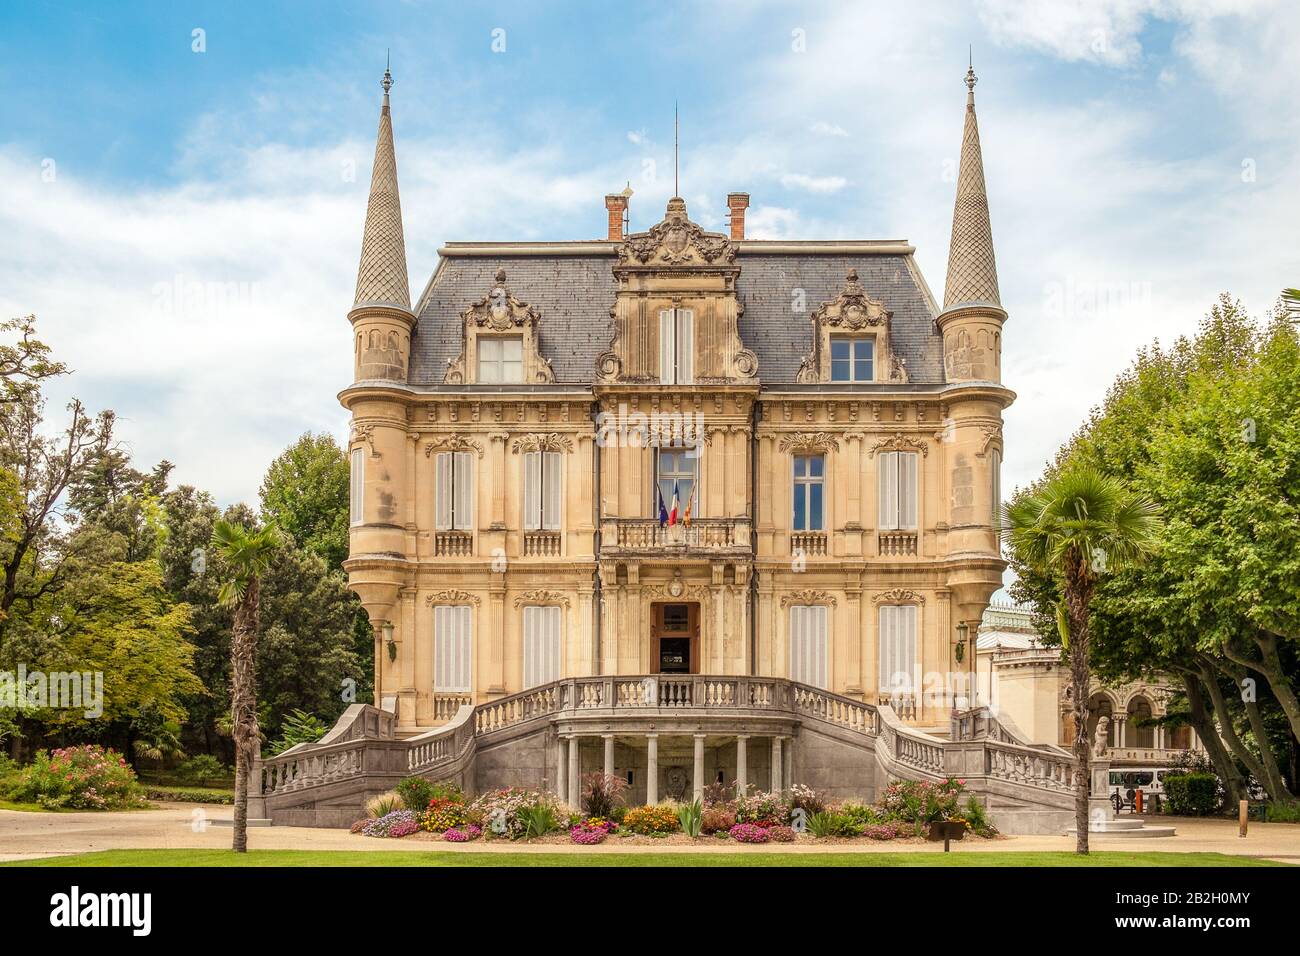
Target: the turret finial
pixel 387 82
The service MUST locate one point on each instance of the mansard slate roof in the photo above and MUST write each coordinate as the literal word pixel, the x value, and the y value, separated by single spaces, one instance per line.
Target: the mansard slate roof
pixel 574 290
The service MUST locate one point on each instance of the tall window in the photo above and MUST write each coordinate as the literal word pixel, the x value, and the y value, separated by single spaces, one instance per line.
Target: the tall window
pixel 542 491
pixel 454 504
pixel 897 490
pixel 357 486
pixel 453 644
pixel 676 346
pixel 808 644
pixel 897 648
pixel 676 471
pixel 995 464
pixel 852 360
pixel 541 645
pixel 500 360
pixel 809 476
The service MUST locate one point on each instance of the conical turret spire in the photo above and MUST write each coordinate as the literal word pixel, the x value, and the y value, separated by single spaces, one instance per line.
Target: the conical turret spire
pixel 972 269
pixel 381 278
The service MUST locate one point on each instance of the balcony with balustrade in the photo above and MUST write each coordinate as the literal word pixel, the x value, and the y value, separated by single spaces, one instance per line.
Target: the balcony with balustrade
pixel 647 537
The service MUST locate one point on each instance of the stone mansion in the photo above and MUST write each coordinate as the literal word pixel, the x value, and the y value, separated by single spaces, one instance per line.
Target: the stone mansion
pixel 683 506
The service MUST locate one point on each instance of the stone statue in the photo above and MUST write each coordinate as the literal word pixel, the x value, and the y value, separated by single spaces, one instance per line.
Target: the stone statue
pixel 1101 737
pixel 676 782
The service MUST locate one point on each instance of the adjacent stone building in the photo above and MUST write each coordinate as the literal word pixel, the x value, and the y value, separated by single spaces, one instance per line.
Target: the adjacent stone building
pixel 675 452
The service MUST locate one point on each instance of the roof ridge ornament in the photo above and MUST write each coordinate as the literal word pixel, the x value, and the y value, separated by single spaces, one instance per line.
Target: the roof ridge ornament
pixel 676 241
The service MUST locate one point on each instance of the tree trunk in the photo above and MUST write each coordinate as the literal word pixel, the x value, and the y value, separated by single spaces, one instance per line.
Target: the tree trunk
pixel 1270 665
pixel 1266 769
pixel 1078 593
pixel 1229 775
pixel 1227 728
pixel 243 702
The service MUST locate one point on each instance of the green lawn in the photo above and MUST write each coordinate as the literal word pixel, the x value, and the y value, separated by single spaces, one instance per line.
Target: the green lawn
pixel 415 858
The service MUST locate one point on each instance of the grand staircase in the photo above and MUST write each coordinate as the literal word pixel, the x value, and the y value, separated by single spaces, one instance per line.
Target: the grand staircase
pixel 844 746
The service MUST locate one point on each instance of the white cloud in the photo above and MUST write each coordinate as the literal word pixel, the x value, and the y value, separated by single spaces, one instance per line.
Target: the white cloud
pixel 822 128
pixel 814 184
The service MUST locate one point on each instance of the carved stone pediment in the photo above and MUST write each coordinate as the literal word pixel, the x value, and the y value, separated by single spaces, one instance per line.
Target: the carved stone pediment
pixel 809 442
pixel 451 597
pixel 808 597
pixel 676 241
pixel 551 441
pixel 900 442
pixel 499 314
pixel 542 596
pixel 453 443
pixel 898 596
pixel 853 312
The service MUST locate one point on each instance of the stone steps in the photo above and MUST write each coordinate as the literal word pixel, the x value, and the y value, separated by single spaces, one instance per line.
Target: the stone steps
pixel 1128 827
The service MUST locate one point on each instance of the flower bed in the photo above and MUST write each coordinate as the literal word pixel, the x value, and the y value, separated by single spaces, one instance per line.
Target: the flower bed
pixel 85 777
pixel 650 820
pixel 398 823
pixel 458 835
pixel 749 833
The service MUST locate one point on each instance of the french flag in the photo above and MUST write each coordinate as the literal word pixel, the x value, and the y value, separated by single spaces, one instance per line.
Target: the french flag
pixel 672 514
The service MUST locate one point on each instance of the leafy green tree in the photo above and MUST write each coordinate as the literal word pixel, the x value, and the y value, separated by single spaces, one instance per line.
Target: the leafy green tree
pixel 247 555
pixel 305 492
pixel 1074 528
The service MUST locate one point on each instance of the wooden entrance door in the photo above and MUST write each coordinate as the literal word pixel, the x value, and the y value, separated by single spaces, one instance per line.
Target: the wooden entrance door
pixel 675 638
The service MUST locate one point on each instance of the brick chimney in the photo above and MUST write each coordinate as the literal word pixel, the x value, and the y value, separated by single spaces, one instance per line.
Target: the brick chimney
pixel 737 203
pixel 616 203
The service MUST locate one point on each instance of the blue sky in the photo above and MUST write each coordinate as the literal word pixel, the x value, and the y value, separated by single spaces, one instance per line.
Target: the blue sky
pixel 1141 155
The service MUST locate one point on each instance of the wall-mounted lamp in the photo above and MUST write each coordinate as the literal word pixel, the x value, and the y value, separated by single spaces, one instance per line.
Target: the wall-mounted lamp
pixel 961 641
pixel 388 639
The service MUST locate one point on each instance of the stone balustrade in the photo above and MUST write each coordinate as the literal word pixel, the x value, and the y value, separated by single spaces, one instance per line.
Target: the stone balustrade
pixel 648 536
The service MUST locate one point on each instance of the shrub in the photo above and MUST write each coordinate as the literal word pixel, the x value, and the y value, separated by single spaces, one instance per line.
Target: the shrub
pixel 502 813
pixel 764 809
pixel 601 793
pixel 189 795
pixel 384 804
pixel 1276 812
pixel 806 799
pixel 539 820
pixel 779 834
pixel 1192 794
pixel 443 814
pixel 887 831
pixel 85 777
pixel 398 823
pixel 591 831
pixel 358 826
pixel 919 801
pixel 716 794
pixel 651 820
pixel 863 813
pixel 416 792
pixel 299 727
pixel 458 835
pixel 829 823
pixel 717 819
pixel 749 833
pixel 978 819
pixel 201 769
pixel 689 817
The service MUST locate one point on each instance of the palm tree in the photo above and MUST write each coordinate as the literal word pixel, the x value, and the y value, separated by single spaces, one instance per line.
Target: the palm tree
pixel 1075 527
pixel 246 556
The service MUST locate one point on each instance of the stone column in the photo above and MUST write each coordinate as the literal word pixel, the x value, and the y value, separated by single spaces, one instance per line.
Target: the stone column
pixel 575 772
pixel 609 754
pixel 698 778
pixel 776 763
pixel 789 765
pixel 652 769
pixel 742 764
pixel 561 765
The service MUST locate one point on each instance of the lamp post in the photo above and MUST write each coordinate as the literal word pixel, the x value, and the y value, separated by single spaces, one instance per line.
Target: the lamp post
pixel 962 628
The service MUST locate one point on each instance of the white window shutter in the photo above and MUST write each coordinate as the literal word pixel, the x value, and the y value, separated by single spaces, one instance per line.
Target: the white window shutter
pixel 888 663
pixel 995 462
pixel 541 645
pixel 442 492
pixel 797 643
pixel 551 488
pixel 888 477
pixel 463 495
pixel 667 348
pixel 907 489
pixel 358 487
pixel 685 346
pixel 532 490
pixel 453 643
pixel 907 616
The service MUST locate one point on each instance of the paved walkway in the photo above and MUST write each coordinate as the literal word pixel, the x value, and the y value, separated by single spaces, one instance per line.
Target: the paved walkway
pixel 25 836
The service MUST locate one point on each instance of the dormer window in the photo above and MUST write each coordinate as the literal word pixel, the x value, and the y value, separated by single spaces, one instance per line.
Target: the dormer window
pixel 500 359
pixel 853 359
pixel 676 346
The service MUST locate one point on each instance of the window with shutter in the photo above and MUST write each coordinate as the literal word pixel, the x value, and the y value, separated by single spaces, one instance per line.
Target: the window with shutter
pixel 454 491
pixel 542 488
pixel 995 465
pixel 357 486
pixel 453 642
pixel 808 644
pixel 897 648
pixel 676 346
pixel 541 645
pixel 898 490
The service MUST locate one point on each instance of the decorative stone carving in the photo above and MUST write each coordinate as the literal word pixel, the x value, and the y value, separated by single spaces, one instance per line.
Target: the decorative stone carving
pixel 1101 737
pixel 898 596
pixel 498 313
pixel 677 781
pixel 542 596
pixel 676 241
pixel 992 434
pixel 809 441
pixel 551 441
pixel 900 442
pixel 451 597
pixel 453 443
pixel 851 312
pixel 808 597
pixel 366 435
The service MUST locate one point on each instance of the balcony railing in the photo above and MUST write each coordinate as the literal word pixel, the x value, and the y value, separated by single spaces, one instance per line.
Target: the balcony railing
pixel 541 544
pixel 896 544
pixel 446 705
pixel 453 544
pixel 811 543
pixel 647 534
